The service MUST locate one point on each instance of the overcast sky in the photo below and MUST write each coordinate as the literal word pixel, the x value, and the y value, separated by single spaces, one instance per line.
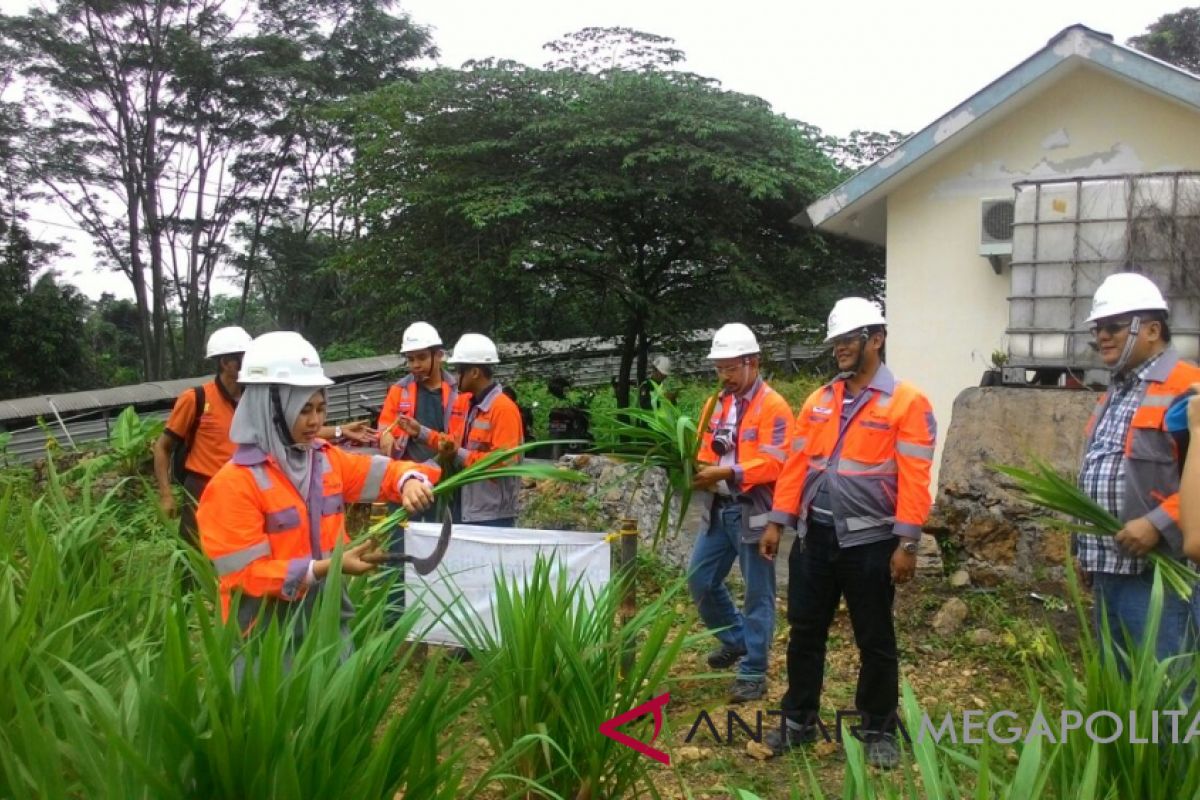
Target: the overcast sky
pixel 837 65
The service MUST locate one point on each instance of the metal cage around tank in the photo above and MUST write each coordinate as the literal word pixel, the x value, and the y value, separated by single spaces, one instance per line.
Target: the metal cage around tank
pixel 1069 233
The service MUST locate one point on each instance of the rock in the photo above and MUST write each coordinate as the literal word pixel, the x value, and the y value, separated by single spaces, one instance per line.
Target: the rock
pixel 1053 547
pixel 690 753
pixel 950 617
pixel 620 491
pixel 759 751
pixel 992 539
pixel 982 637
pixel 960 578
pixel 1001 537
pixel 929 557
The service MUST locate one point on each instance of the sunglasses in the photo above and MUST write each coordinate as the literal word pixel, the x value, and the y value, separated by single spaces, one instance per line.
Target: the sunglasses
pixel 1110 328
pixel 846 340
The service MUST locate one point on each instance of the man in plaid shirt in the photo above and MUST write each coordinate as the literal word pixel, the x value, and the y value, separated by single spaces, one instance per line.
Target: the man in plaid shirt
pixel 1130 466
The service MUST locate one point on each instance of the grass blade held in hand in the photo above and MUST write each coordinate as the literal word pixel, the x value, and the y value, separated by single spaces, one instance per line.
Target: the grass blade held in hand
pixel 1045 487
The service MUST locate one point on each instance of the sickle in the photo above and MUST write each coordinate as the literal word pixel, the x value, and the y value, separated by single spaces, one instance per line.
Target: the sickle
pixel 429 563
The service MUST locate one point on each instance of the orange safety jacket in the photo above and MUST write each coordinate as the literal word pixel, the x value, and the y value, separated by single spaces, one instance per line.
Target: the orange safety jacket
pixel 494 423
pixel 261 534
pixel 878 465
pixel 764 432
pixel 402 400
pixel 1151 487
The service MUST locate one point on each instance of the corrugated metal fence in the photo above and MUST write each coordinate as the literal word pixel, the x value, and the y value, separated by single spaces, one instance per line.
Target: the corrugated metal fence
pixel 360 382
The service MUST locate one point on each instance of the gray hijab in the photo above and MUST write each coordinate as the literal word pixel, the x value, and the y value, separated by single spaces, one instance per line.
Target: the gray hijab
pixel 254 424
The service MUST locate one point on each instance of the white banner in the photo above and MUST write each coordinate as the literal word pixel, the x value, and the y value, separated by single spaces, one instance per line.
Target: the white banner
pixel 478 554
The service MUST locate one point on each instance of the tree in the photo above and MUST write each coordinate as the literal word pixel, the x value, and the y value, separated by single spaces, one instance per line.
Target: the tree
pixel 344 47
pixel 160 123
pixel 42 349
pixel 112 328
pixel 862 148
pixel 650 198
pixel 1174 38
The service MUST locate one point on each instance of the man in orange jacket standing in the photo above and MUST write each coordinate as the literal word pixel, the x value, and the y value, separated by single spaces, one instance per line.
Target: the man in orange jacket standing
pixel 1131 466
pixel 856 488
pixel 493 423
pixel 425 406
pixel 200 422
pixel 743 451
pixel 421 409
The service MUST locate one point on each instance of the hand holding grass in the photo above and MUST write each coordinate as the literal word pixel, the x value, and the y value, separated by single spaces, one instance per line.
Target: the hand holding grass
pixel 1138 537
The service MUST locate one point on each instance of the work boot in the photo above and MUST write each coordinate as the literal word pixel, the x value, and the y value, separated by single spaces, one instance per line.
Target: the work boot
pixel 725 656
pixel 882 751
pixel 791 736
pixel 744 690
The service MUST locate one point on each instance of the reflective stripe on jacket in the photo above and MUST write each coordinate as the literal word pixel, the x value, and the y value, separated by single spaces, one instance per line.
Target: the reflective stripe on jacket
pixel 261 534
pixel 764 438
pixel 402 400
pixel 879 467
pixel 492 424
pixel 1151 456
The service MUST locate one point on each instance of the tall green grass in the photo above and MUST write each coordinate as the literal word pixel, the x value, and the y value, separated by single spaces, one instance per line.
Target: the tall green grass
pixel 119 687
pixel 552 658
pixel 1077 768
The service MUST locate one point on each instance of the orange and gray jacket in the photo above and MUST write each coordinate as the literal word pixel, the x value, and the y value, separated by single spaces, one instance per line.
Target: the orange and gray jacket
pixel 494 423
pixel 402 400
pixel 261 534
pixel 764 434
pixel 1151 455
pixel 878 465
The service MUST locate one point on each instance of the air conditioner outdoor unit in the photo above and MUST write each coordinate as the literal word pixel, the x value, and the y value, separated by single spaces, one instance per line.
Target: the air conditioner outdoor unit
pixel 996 226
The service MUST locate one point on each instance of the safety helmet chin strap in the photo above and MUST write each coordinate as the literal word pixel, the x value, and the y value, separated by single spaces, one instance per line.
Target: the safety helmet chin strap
pixel 864 335
pixel 1134 326
pixel 285 431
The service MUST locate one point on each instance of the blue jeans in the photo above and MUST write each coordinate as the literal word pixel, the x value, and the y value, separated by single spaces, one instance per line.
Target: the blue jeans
pixel 1126 598
pixel 753 628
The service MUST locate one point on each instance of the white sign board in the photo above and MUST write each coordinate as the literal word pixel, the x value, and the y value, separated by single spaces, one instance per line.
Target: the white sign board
pixel 478 554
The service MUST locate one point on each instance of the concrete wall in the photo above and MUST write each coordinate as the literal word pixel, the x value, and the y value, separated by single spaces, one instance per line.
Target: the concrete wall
pixel 947 310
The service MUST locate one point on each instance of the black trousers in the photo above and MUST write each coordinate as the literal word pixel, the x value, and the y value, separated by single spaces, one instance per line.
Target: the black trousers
pixel 193 486
pixel 820 574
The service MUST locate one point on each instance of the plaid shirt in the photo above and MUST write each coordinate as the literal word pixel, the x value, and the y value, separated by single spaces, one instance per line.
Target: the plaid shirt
pixel 1103 475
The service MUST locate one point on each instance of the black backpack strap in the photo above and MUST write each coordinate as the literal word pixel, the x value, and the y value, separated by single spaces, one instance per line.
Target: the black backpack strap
pixel 191 437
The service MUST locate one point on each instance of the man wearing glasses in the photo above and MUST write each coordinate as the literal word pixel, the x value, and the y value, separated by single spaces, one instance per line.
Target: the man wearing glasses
pixel 741 453
pixel 856 488
pixel 1130 465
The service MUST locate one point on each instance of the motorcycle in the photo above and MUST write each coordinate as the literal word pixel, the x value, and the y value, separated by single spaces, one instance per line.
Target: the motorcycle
pixel 571 421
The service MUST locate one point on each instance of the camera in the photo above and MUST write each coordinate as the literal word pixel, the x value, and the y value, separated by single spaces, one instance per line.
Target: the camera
pixel 722 443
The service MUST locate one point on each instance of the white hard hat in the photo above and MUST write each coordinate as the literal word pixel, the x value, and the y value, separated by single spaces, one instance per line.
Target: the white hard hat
pixel 850 314
pixel 282 357
pixel 419 336
pixel 226 341
pixel 663 365
pixel 733 340
pixel 1124 293
pixel 474 348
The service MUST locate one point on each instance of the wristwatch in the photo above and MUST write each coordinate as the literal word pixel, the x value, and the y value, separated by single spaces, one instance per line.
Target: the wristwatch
pixel 337 431
pixel 909 546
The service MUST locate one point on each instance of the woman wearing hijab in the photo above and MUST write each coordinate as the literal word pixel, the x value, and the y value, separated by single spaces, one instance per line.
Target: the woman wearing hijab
pixel 272 516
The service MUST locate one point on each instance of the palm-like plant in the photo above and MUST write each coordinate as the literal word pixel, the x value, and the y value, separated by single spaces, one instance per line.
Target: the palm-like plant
pixel 662 436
